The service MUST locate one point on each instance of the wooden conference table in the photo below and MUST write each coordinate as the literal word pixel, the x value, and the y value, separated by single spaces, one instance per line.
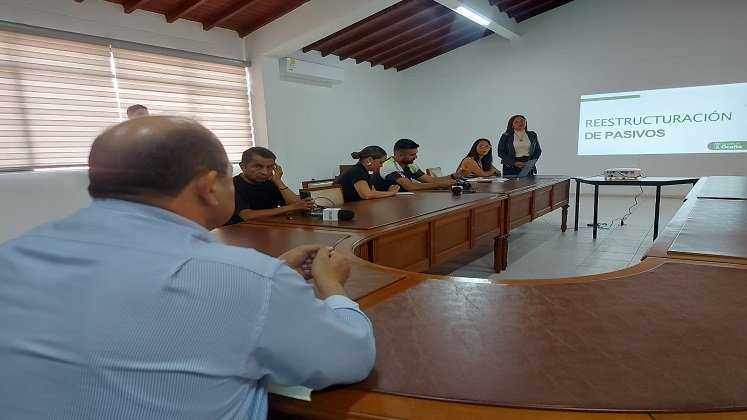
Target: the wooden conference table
pixel 415 232
pixel 710 225
pixel 663 339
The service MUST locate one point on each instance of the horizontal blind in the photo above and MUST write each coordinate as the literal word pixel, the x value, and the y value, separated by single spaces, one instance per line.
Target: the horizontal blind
pixel 56 96
pixel 214 94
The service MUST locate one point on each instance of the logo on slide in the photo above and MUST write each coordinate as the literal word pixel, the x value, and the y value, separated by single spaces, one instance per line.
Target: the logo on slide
pixel 727 145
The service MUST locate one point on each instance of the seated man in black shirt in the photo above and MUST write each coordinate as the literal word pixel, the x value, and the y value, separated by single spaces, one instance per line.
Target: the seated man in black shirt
pixel 259 189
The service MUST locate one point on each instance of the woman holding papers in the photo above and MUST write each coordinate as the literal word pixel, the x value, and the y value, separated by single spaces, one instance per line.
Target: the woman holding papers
pixel 479 160
pixel 517 146
pixel 356 182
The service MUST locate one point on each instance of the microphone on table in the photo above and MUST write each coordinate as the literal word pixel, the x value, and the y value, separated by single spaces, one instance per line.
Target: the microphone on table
pixel 333 213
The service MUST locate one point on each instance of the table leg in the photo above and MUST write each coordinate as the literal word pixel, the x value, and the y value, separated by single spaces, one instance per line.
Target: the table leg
pixel 596 209
pixel 656 211
pixel 564 219
pixel 504 251
pixel 497 253
pixel 578 194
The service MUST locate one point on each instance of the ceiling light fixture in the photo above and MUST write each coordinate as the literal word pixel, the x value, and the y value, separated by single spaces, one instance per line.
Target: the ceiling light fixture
pixel 475 17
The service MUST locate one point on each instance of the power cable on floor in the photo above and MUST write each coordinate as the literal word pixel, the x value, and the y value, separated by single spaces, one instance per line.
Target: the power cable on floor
pixel 621 219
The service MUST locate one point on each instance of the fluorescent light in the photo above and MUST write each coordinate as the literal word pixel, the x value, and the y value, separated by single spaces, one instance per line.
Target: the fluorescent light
pixel 469 14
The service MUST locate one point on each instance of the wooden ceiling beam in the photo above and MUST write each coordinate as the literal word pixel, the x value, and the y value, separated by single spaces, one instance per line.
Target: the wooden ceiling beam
pixel 450 46
pixel 402 27
pixel 538 8
pixel 515 7
pixel 391 43
pixel 436 43
pixel 133 5
pixel 278 12
pixel 232 11
pixel 503 5
pixel 382 47
pixel 401 10
pixel 182 9
pixel 424 40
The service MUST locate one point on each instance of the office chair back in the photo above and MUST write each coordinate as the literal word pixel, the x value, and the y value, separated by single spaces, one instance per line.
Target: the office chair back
pixel 434 172
pixel 327 195
pixel 317 183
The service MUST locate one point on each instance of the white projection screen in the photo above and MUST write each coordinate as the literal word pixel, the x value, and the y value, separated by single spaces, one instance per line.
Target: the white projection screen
pixel 701 119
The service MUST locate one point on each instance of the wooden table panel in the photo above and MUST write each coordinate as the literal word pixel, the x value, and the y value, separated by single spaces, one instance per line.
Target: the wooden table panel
pixel 519 209
pixel 560 194
pixel 541 201
pixel 390 211
pixel 406 249
pixel 450 236
pixel 488 223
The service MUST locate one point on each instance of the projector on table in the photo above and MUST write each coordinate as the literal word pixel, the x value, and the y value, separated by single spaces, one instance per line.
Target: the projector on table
pixel 622 173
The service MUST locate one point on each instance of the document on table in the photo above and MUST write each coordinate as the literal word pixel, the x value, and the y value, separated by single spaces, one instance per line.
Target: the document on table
pixel 481 179
pixel 298 392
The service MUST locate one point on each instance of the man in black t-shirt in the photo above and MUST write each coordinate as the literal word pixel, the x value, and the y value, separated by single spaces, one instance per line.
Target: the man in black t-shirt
pixel 259 188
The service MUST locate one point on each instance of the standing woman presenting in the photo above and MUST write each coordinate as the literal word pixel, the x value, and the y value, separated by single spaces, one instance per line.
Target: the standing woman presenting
pixel 517 146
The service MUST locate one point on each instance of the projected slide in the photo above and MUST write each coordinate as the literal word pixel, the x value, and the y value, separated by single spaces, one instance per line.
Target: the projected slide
pixel 702 119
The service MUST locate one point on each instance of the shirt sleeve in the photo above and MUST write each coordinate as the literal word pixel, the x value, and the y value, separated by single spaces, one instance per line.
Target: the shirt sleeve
pixel 310 342
pixel 359 175
pixel 389 172
pixel 416 171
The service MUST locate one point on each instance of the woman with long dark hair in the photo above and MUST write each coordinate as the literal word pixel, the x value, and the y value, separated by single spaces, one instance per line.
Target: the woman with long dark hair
pixel 479 160
pixel 517 146
pixel 356 182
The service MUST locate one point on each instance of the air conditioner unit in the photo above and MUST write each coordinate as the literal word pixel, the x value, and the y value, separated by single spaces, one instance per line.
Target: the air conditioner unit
pixel 294 70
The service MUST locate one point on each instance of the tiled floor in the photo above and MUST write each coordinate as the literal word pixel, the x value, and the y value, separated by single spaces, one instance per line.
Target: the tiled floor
pixel 540 250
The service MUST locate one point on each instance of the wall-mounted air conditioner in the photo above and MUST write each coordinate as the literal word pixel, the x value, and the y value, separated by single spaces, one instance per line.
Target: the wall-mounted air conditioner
pixel 295 70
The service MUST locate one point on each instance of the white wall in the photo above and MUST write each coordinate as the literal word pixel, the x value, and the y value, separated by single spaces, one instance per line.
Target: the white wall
pixel 587 46
pixel 32 198
pixel 313 129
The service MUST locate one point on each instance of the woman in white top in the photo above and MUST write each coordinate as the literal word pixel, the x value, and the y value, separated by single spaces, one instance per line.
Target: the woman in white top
pixel 479 160
pixel 517 146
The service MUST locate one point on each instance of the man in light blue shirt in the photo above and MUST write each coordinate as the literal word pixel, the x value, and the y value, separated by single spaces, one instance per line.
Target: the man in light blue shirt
pixel 131 309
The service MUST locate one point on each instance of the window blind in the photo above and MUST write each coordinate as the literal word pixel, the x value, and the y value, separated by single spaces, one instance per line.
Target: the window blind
pixel 213 94
pixel 57 95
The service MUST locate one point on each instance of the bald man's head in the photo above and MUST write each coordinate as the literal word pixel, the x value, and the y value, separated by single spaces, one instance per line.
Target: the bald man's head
pixel 153 157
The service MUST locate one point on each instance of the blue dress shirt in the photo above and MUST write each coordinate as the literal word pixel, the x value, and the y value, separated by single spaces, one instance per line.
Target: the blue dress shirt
pixel 128 311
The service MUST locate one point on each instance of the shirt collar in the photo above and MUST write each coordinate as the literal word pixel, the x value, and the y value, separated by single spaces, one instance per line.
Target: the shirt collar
pixel 124 206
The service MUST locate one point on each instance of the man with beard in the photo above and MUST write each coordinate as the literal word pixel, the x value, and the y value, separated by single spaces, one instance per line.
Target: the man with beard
pixel 401 170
